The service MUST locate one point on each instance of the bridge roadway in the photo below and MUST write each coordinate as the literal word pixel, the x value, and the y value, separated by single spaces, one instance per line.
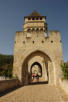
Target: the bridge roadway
pixel 34 93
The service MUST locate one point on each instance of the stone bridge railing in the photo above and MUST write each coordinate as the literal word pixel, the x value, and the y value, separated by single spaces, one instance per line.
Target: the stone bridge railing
pixel 8 84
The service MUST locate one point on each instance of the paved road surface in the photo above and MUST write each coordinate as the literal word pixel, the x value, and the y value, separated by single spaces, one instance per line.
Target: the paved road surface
pixel 34 93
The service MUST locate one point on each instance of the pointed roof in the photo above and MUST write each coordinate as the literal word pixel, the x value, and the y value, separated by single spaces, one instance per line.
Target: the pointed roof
pixel 34 14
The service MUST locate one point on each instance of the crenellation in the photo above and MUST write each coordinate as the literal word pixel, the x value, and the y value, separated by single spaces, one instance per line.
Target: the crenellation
pixel 55 35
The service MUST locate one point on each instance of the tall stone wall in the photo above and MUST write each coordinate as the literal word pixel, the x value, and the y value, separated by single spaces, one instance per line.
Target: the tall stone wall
pixel 29 42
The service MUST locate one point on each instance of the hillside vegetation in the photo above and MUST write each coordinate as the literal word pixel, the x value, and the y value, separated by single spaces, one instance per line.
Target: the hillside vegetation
pixel 64 67
pixel 6 65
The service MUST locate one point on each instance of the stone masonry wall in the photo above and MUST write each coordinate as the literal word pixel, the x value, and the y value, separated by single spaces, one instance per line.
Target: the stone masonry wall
pixel 50 45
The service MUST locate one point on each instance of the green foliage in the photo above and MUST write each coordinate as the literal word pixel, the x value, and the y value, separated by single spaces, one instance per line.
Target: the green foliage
pixel 64 67
pixel 6 65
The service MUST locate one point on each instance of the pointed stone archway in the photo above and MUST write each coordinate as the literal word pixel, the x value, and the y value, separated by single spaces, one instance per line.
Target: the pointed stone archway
pixel 47 67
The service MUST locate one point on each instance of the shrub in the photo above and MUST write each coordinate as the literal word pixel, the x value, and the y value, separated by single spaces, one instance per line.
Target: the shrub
pixel 64 67
pixel 6 65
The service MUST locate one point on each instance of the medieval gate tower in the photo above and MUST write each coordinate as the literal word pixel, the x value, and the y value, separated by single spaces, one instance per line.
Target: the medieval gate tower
pixel 37 56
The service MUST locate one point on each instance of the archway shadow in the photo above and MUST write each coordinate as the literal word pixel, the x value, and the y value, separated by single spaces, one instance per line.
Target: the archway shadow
pixel 19 86
pixel 10 90
pixel 38 83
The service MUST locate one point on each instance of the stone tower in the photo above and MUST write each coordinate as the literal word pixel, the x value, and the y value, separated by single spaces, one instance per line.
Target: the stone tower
pixel 37 56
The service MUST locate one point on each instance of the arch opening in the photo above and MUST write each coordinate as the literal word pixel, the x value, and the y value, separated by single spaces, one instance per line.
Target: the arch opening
pixel 35 68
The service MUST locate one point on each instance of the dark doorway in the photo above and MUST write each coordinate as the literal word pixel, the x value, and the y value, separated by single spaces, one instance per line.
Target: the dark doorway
pixel 35 72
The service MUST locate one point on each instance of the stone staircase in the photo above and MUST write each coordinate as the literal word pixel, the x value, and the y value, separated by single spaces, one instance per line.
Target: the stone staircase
pixel 35 93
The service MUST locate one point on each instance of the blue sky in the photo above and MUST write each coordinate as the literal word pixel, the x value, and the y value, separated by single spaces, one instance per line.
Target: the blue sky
pixel 12 14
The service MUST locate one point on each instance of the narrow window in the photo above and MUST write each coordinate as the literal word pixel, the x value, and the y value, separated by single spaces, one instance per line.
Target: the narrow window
pixel 41 18
pixel 41 29
pixel 51 41
pixel 33 18
pixel 29 18
pixel 23 42
pixel 33 42
pixel 42 41
pixel 37 29
pixel 36 18
pixel 32 29
pixel 28 30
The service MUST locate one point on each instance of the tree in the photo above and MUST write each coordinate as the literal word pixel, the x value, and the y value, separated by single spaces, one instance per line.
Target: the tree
pixel 64 67
pixel 6 65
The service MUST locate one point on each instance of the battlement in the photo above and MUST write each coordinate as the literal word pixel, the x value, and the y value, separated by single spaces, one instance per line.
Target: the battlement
pixel 35 26
pixel 52 34
pixel 55 35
